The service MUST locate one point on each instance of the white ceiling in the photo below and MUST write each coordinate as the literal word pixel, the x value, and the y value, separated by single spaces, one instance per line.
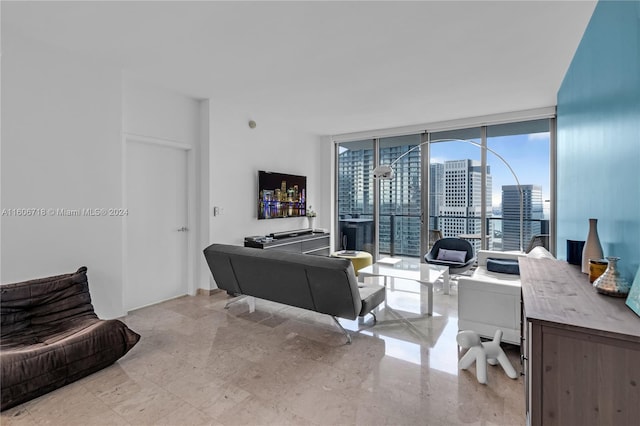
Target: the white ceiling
pixel 328 67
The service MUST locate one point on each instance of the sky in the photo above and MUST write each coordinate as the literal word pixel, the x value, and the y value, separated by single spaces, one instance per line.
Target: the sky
pixel 528 156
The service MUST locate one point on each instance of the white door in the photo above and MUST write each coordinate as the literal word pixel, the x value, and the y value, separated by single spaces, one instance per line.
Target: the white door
pixel 156 254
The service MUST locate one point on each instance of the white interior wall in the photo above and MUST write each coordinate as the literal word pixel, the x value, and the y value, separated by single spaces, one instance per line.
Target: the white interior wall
pixel 202 277
pixel 236 154
pixel 329 185
pixel 159 113
pixel 62 146
pixel 61 149
pixel 163 115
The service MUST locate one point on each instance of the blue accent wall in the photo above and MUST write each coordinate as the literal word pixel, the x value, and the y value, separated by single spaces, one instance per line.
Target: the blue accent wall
pixel 598 143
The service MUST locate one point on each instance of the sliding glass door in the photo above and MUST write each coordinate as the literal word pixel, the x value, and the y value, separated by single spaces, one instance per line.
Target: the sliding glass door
pixel 520 213
pixel 355 193
pixel 389 208
pixel 456 172
pixel 400 198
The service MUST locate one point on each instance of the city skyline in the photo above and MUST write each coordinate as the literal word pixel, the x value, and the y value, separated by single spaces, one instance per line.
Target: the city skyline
pixel 400 199
pixel 520 151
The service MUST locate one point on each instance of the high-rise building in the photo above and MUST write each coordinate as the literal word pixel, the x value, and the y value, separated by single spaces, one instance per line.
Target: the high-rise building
pixel 531 214
pixel 462 207
pixel 355 198
pixel 454 203
pixel 400 206
pixel 436 192
pixel 355 183
pixel 283 190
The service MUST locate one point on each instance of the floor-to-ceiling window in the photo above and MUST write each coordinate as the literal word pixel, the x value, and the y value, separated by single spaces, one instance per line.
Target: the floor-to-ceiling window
pixel 456 172
pixel 526 148
pixel 400 198
pixel 498 198
pixel 355 193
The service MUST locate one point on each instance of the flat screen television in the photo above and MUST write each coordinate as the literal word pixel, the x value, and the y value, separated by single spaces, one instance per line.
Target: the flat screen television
pixel 281 195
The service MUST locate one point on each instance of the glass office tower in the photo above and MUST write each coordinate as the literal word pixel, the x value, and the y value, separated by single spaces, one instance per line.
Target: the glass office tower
pixel 532 215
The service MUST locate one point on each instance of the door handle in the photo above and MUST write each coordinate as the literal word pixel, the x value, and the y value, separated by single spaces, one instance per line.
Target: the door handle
pixel 183 229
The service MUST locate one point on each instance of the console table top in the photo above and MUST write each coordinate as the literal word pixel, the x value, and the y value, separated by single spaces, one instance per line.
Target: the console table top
pixel 286 240
pixel 557 292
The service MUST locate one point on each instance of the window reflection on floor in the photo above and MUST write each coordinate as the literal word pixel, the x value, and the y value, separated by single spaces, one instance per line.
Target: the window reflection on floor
pixel 409 335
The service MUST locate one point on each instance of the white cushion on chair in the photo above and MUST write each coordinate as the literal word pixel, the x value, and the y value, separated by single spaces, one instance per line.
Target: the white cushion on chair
pixel 540 252
pixel 451 255
pixel 488 301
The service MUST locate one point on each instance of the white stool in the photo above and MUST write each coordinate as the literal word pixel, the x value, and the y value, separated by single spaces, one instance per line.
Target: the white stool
pixel 483 353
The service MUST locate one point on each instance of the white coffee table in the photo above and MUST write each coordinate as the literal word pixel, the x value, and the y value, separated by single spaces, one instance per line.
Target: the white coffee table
pixel 424 273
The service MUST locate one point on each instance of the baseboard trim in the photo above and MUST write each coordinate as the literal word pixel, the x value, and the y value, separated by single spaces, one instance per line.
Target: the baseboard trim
pixel 207 292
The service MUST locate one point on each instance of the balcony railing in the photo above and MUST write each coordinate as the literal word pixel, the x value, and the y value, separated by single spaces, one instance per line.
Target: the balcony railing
pixel 399 234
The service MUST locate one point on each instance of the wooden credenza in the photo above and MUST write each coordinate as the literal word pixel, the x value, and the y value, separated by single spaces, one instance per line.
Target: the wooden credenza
pixel 581 349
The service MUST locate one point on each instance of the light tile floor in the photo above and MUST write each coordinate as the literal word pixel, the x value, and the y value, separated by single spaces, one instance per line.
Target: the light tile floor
pixel 199 364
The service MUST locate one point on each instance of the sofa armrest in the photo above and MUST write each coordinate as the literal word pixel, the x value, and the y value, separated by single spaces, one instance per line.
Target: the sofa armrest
pixel 483 255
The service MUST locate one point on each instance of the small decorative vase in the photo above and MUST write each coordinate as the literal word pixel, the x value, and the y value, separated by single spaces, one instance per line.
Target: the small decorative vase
pixel 312 221
pixel 592 248
pixel 596 268
pixel 611 282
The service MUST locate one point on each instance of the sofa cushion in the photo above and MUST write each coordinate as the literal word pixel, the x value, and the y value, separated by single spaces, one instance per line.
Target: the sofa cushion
pixel 51 336
pixel 540 252
pixel 504 266
pixel 452 255
pixel 323 284
pixel 372 295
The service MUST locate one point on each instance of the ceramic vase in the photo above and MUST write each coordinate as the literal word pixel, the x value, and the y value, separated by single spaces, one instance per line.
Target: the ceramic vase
pixel 592 247
pixel 611 282
pixel 312 221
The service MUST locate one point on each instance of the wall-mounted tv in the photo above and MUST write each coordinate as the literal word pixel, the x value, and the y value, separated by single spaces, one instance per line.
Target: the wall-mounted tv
pixel 281 195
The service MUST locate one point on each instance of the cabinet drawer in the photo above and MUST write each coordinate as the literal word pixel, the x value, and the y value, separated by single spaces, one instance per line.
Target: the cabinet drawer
pixel 316 243
pixel 323 251
pixel 295 247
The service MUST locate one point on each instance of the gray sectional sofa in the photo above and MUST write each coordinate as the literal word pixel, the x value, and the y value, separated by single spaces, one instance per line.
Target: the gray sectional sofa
pixel 317 283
